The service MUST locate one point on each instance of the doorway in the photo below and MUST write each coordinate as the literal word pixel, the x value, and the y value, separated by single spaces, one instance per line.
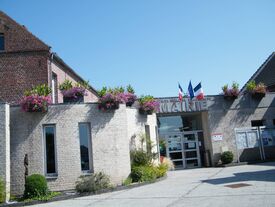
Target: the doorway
pixel 183 149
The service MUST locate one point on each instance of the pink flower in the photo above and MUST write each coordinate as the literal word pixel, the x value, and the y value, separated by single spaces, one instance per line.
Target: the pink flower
pixel 35 103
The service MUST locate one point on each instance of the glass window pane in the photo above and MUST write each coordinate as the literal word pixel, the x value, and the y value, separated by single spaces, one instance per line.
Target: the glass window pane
pixel 50 149
pixel 84 133
pixel 2 42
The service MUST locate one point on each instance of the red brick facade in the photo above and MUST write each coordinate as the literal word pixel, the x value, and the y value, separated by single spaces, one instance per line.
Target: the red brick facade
pixel 26 62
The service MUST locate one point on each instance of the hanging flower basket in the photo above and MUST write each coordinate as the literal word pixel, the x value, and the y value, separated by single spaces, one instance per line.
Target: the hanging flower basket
pixel 35 103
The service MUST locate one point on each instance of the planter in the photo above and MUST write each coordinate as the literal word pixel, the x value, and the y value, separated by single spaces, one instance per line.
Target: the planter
pixel 44 110
pixel 146 112
pixel 258 95
pixel 129 104
pixel 230 98
pixel 78 99
pixel 35 103
pixel 108 107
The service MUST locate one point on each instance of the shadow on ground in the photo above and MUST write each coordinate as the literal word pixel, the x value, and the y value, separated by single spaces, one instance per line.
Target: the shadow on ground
pixel 265 176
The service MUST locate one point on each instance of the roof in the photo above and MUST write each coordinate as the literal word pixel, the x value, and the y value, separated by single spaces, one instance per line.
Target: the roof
pixel 55 56
pixel 24 28
pixel 66 66
pixel 262 75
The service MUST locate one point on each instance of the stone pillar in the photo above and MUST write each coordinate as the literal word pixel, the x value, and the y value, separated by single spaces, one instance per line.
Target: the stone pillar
pixel 5 146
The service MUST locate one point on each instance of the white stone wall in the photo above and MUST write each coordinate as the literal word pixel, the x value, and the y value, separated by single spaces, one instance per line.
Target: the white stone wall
pixel 110 132
pixel 5 147
pixel 136 130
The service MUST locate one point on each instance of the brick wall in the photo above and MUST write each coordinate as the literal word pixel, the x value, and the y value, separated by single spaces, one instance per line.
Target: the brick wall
pixel 62 75
pixel 17 37
pixel 25 63
pixel 20 71
pixel 5 147
pixel 109 138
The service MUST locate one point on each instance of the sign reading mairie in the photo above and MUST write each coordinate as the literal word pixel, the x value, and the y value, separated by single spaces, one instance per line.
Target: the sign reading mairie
pixel 173 105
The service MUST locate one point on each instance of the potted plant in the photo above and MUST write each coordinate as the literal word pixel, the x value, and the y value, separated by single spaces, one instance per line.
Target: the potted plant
pixel 148 105
pixel 37 99
pixel 257 91
pixel 110 98
pixel 231 93
pixel 130 96
pixel 108 102
pixel 73 93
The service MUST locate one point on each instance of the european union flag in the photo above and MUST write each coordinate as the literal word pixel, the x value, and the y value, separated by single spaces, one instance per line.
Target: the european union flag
pixel 191 91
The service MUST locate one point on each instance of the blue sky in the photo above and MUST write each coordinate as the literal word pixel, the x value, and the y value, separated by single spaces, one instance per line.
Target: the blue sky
pixel 153 44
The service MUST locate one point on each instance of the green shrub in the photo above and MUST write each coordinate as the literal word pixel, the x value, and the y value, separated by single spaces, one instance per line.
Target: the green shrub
pixel 2 191
pixel 144 173
pixel 35 186
pixel 141 158
pixel 93 183
pixel 227 157
pixel 162 170
pixel 251 85
pixel 127 182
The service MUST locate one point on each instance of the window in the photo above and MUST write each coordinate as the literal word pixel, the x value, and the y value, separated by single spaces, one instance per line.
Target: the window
pixel 50 156
pixel 85 146
pixel 148 139
pixel 54 88
pixel 257 123
pixel 2 42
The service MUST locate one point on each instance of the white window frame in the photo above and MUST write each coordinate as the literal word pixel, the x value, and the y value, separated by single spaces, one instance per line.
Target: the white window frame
pixel 49 175
pixel 88 124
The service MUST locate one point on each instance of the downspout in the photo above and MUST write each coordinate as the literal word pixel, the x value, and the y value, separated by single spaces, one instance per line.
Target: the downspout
pixel 50 73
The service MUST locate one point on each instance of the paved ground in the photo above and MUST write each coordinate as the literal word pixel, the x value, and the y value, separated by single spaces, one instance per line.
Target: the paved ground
pixel 198 187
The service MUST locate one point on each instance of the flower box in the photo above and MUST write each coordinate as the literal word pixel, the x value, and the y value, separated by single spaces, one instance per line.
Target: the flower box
pixel 230 98
pixel 74 95
pixel 109 102
pixel 130 99
pixel 108 106
pixel 146 112
pixel 148 105
pixel 258 96
pixel 35 103
pixel 75 99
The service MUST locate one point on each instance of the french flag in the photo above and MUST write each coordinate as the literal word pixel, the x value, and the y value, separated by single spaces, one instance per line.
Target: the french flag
pixel 199 92
pixel 180 93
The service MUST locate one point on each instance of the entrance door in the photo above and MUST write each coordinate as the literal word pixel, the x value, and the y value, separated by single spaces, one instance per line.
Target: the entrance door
pixel 191 150
pixel 174 148
pixel 183 149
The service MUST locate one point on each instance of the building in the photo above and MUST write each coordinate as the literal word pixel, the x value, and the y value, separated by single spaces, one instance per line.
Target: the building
pixel 265 74
pixel 68 141
pixel 26 61
pixel 71 140
pixel 197 132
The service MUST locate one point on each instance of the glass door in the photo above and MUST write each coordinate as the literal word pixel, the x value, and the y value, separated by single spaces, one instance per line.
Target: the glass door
pixel 191 150
pixel 175 149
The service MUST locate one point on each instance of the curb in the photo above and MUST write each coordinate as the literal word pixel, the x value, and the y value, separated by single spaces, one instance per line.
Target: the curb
pixel 66 197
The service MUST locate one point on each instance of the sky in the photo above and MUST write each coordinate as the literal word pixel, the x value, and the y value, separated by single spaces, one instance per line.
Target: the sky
pixel 154 44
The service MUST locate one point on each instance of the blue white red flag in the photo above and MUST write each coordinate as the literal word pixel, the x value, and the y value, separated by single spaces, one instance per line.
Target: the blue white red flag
pixel 180 93
pixel 199 92
pixel 191 91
